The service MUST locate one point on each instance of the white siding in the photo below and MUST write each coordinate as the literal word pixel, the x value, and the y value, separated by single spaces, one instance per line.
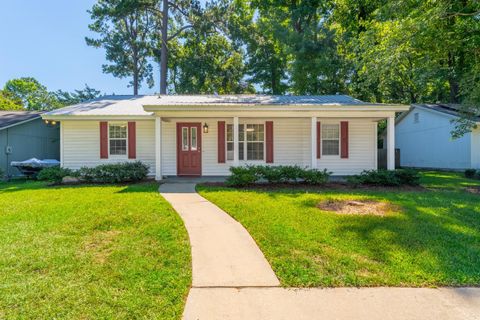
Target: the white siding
pixel 81 144
pixel 362 149
pixel 291 146
pixel 428 143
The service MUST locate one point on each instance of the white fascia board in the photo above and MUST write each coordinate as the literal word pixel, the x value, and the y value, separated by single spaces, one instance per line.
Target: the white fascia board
pixel 97 117
pixel 277 108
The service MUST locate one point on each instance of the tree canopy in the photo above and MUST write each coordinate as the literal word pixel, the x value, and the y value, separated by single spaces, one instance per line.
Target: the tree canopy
pixel 402 51
pixel 28 94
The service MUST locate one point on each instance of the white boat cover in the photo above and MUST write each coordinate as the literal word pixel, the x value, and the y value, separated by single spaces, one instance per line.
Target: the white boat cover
pixel 36 163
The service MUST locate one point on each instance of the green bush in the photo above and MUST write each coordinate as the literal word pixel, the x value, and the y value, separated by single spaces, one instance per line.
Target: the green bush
pixel 242 176
pixel 115 173
pixel 55 174
pixel 409 177
pixel 470 173
pixel 248 175
pixel 382 177
pixel 316 177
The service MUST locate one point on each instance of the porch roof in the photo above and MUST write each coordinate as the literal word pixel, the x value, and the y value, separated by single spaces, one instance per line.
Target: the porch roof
pixel 145 106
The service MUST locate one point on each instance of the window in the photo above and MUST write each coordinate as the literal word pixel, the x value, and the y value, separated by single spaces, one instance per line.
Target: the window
pixel 416 118
pixel 184 139
pixel 252 143
pixel 193 138
pixel 117 134
pixel 330 139
pixel 230 142
pixel 255 141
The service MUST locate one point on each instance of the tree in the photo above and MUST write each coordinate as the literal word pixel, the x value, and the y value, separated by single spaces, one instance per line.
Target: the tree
pixel 125 29
pixel 70 98
pixel 32 94
pixel 9 102
pixel 207 65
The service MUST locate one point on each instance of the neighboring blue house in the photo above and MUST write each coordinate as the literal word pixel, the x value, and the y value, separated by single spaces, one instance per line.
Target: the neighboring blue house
pixel 24 135
pixel 423 136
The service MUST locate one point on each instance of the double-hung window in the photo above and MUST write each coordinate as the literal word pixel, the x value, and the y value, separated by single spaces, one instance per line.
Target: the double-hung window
pixel 330 139
pixel 251 142
pixel 117 136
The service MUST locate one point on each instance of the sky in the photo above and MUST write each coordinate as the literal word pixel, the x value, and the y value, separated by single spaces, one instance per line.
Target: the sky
pixel 45 39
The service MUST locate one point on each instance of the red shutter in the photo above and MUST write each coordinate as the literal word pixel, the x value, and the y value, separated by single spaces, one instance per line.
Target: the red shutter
pixel 344 139
pixel 132 140
pixel 319 140
pixel 221 142
pixel 269 141
pixel 103 140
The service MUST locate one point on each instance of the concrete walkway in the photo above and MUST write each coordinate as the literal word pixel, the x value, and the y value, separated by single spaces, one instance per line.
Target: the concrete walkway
pixel 233 280
pixel 330 304
pixel 223 252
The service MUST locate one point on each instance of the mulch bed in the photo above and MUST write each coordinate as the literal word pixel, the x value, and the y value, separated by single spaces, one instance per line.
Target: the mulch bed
pixel 304 186
pixel 357 207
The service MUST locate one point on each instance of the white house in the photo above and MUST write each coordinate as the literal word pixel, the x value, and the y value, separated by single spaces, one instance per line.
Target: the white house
pixel 423 135
pixel 206 134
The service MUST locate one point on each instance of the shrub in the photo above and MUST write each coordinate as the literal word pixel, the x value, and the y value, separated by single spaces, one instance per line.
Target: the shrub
pixel 470 173
pixel 409 177
pixel 55 174
pixel 2 175
pixel 242 176
pixel 291 173
pixel 386 177
pixel 315 177
pixel 115 173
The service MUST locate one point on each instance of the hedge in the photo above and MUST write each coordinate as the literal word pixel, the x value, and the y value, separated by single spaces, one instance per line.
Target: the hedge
pixel 249 175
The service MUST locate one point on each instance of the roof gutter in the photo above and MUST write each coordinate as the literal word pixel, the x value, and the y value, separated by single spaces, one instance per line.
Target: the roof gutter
pixel 299 108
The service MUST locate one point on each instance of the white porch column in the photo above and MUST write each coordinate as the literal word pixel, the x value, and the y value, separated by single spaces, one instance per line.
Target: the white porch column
pixel 236 161
pixel 158 148
pixel 391 143
pixel 313 148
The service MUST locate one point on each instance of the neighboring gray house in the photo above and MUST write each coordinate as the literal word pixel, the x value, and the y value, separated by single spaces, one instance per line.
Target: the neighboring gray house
pixel 24 135
pixel 423 135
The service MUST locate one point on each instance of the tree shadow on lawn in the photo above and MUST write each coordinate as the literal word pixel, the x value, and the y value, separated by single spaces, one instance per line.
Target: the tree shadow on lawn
pixel 433 240
pixel 430 241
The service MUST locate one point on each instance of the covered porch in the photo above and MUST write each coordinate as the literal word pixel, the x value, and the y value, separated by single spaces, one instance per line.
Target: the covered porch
pixel 210 143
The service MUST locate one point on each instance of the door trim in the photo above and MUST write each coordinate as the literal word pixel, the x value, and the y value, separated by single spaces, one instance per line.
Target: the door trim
pixel 179 145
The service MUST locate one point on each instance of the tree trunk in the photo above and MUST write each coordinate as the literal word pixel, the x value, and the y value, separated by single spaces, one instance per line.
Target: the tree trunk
pixel 164 53
pixel 135 83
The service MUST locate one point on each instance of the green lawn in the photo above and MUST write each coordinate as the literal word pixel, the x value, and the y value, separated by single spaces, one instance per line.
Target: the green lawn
pixel 433 239
pixel 91 252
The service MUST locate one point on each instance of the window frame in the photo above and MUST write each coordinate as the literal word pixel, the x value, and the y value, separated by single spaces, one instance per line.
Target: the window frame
pixel 245 142
pixel 322 139
pixel 118 156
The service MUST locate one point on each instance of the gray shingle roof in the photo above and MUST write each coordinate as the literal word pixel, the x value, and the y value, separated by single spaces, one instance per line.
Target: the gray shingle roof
pixel 11 118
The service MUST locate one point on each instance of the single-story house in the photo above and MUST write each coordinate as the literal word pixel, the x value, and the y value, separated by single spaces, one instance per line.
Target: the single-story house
pixel 23 135
pixel 423 135
pixel 204 135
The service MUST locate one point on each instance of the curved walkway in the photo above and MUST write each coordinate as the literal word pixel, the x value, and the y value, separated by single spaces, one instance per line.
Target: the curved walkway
pixel 233 280
pixel 223 252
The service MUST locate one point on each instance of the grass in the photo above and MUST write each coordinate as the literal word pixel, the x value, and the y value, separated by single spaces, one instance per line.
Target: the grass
pixel 91 252
pixel 433 239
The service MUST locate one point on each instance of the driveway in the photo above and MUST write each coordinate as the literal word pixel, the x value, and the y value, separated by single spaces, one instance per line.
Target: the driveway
pixel 233 280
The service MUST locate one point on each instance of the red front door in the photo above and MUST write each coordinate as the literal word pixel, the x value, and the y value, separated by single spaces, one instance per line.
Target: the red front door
pixel 189 149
